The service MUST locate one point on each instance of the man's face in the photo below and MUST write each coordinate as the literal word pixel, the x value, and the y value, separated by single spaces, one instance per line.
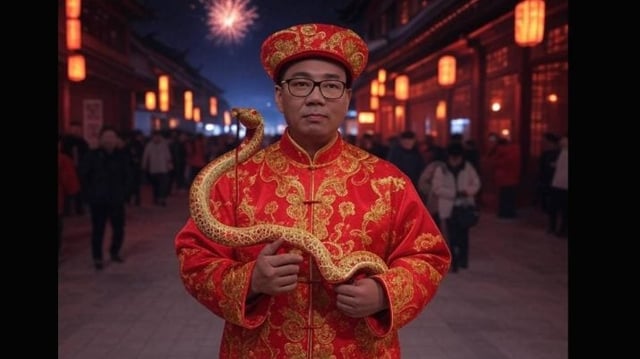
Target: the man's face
pixel 314 118
pixel 454 160
pixel 109 140
pixel 407 143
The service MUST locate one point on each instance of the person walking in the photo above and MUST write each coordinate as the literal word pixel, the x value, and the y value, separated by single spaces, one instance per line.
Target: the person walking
pixel 105 178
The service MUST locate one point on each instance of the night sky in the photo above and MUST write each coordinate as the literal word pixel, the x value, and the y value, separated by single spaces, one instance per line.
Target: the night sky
pixel 235 68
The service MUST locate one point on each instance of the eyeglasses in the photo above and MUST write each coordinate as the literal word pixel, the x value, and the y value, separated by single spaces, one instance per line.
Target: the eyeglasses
pixel 301 87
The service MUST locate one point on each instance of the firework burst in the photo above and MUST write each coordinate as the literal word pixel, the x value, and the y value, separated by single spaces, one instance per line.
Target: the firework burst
pixel 229 20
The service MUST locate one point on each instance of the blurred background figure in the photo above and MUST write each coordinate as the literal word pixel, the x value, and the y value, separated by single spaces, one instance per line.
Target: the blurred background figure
pixel 104 177
pixel 504 159
pixel 178 148
pixel 76 147
pixel 196 156
pixel 372 144
pixel 425 184
pixel 456 184
pixel 157 162
pixel 406 156
pixel 560 192
pixel 548 157
pixel 135 148
pixel 68 185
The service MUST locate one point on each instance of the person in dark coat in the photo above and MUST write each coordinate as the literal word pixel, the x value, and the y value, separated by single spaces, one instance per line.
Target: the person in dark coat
pixel 406 156
pixel 105 176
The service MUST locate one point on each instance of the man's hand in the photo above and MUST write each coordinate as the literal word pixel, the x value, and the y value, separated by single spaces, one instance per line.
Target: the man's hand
pixel 362 298
pixel 274 273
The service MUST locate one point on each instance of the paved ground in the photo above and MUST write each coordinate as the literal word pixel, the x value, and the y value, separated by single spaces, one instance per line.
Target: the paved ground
pixel 511 303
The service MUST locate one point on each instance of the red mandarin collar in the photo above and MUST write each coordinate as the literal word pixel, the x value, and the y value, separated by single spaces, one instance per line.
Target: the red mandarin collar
pixel 323 156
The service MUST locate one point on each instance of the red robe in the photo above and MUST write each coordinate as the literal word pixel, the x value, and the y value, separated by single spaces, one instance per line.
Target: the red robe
pixel 349 199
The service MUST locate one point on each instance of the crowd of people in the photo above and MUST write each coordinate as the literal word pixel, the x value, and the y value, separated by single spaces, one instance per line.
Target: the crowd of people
pixel 102 181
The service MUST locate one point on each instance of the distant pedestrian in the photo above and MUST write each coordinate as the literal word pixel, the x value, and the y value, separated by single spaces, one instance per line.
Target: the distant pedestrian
pixel 105 176
pixel 456 185
pixel 68 185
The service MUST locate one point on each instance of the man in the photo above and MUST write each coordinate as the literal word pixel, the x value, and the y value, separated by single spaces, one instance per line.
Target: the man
pixel 407 157
pixel 504 158
pixel 105 178
pixel 157 162
pixel 273 299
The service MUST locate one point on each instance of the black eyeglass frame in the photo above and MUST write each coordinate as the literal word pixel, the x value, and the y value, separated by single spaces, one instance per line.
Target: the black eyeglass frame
pixel 315 84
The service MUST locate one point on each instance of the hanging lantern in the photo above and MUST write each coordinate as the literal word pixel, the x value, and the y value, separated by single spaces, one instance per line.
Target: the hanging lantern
pixel 150 100
pixel 529 22
pixel 74 34
pixel 196 114
pixel 441 110
pixel 163 91
pixel 373 91
pixel 188 105
pixel 366 117
pixel 382 89
pixel 173 123
pixel 402 88
pixel 382 76
pixel 399 111
pixel 72 8
pixel 213 106
pixel 76 69
pixel 447 70
pixel 374 102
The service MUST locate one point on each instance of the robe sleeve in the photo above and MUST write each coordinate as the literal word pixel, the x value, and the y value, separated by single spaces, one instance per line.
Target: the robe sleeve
pixel 419 258
pixel 214 276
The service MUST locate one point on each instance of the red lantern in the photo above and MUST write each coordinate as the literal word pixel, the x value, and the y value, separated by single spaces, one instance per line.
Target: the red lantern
pixel 213 106
pixel 74 34
pixel 188 105
pixel 402 88
pixel 163 90
pixel 374 102
pixel 441 110
pixel 366 117
pixel 76 67
pixel 447 70
pixel 373 90
pixel 150 100
pixel 196 114
pixel 72 8
pixel 529 22
pixel 382 76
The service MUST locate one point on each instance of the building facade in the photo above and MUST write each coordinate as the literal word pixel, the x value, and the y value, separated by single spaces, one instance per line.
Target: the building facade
pixel 119 69
pixel 500 86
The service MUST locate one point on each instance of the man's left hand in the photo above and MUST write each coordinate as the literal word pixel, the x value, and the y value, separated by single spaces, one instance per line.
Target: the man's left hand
pixel 361 298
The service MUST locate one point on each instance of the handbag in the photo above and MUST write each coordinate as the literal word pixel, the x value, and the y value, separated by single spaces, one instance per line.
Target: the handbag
pixel 465 216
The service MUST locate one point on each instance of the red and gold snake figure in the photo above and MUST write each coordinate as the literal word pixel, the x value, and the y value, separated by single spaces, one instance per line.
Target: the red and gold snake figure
pixel 199 193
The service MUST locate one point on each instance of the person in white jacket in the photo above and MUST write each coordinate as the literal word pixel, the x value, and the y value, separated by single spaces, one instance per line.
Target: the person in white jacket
pixel 157 162
pixel 456 184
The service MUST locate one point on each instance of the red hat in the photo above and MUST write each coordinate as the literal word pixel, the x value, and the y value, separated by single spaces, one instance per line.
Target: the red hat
pixel 312 41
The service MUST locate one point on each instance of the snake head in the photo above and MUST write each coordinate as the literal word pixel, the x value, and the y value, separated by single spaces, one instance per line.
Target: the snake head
pixel 249 117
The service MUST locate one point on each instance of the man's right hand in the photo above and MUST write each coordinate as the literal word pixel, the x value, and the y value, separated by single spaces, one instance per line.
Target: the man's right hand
pixel 274 273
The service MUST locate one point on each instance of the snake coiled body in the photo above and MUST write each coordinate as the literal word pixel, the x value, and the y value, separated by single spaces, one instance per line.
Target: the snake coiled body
pixel 341 271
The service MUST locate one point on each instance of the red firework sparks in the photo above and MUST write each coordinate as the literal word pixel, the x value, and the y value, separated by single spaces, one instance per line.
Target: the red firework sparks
pixel 229 20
